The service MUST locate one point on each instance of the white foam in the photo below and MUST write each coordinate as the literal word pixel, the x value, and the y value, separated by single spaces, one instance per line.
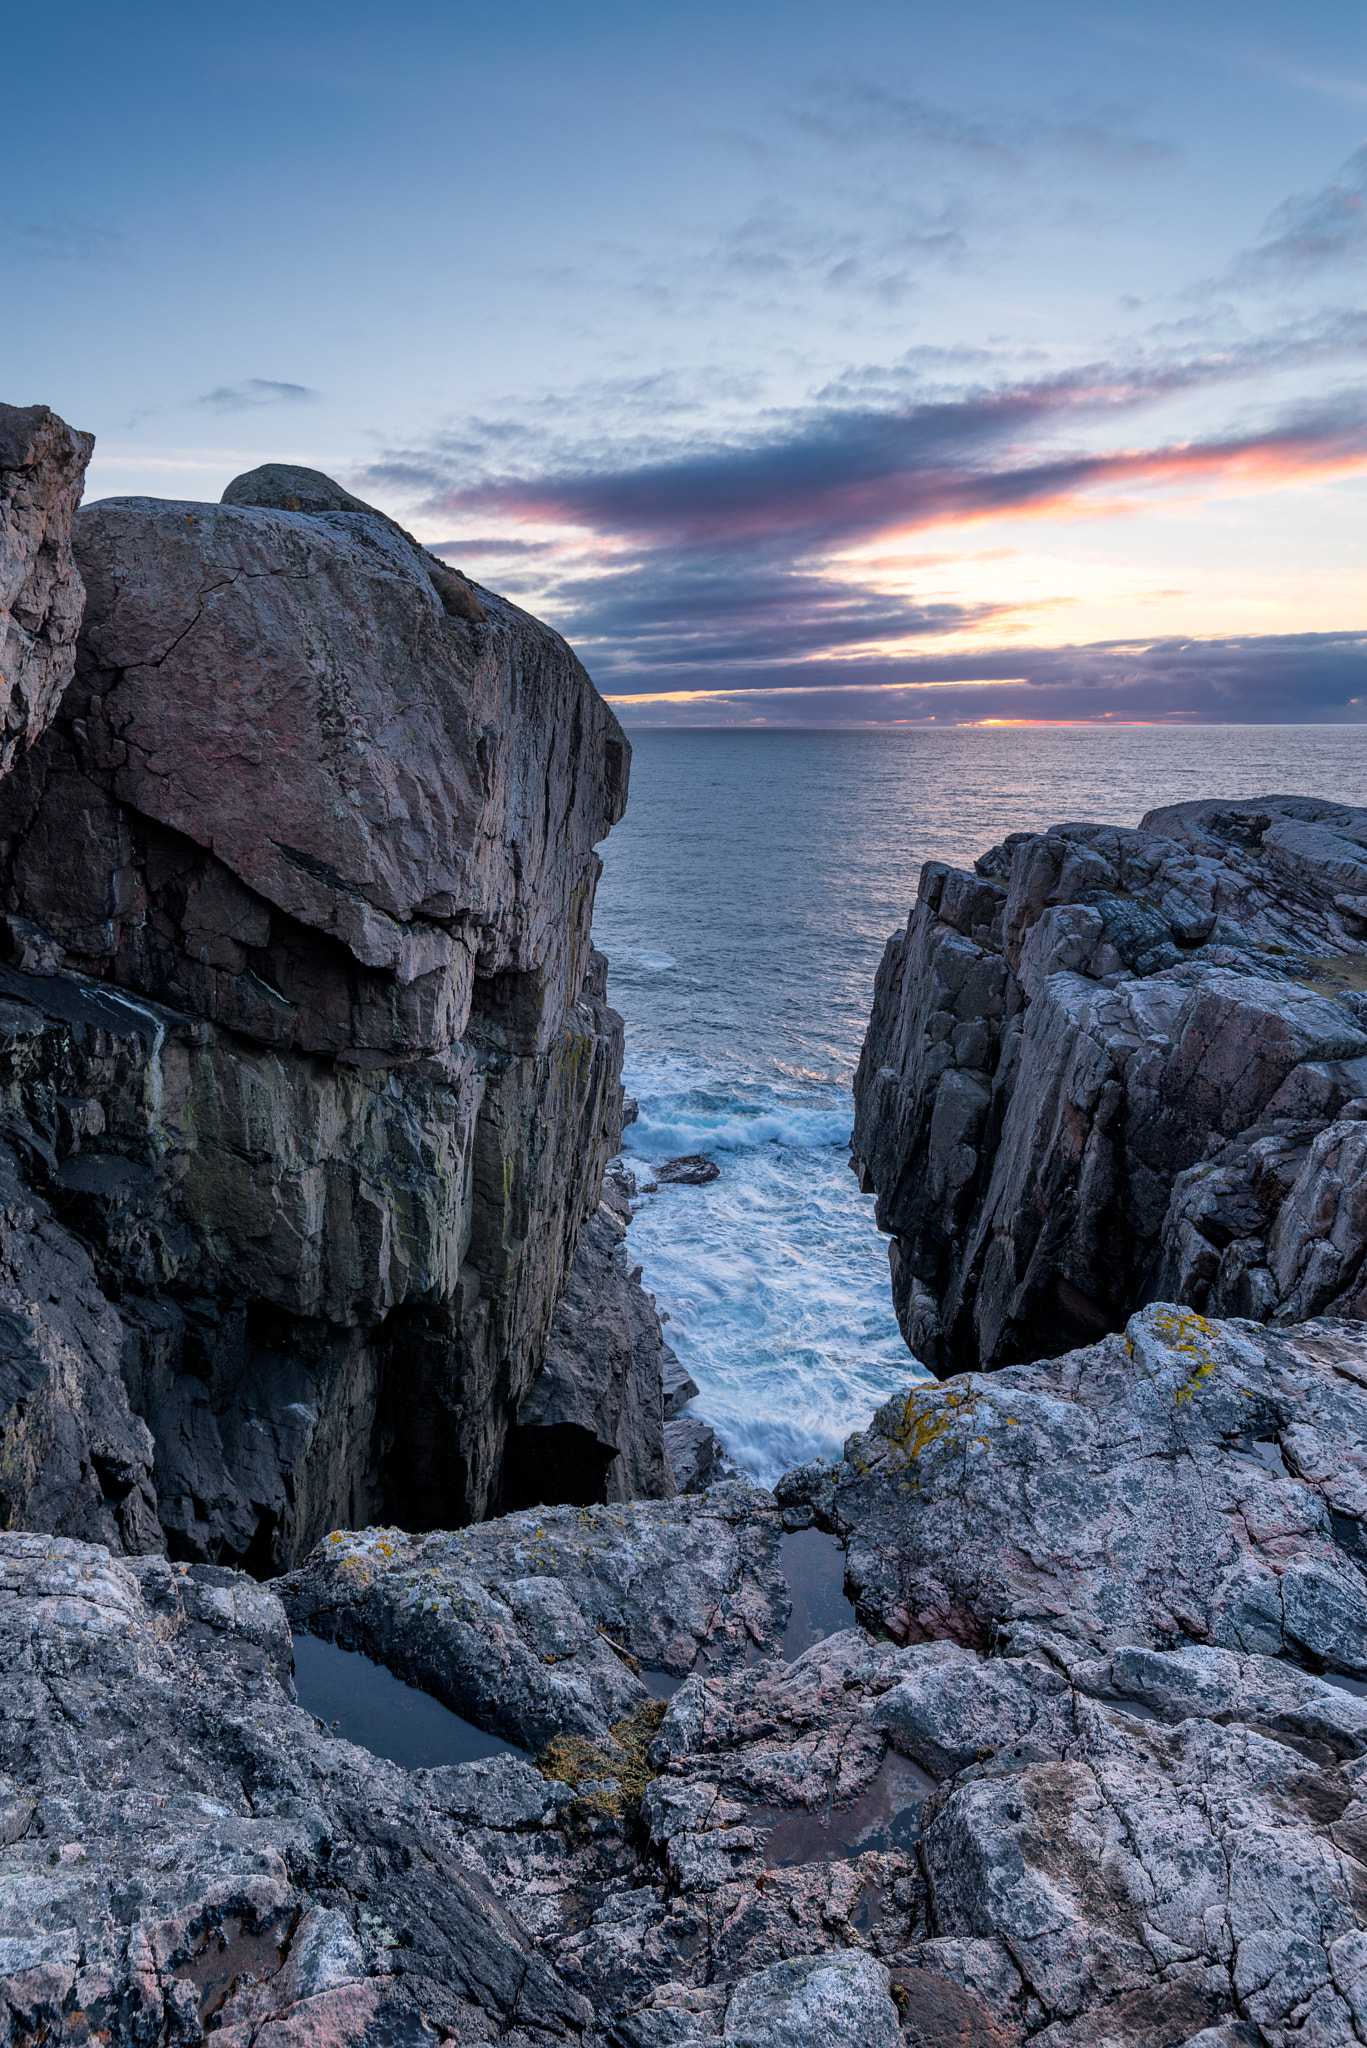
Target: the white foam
pixel 774 1276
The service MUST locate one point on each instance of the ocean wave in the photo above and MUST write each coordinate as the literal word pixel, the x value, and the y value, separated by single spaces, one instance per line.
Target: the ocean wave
pixel 641 962
pixel 666 1135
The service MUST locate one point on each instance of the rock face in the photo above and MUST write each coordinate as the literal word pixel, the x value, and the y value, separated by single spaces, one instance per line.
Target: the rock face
pixel 308 1063
pixel 1079 1781
pixel 592 1426
pixel 1116 1066
pixel 42 467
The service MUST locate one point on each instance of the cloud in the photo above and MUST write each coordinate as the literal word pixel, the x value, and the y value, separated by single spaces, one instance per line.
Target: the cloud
pixel 838 472
pixel 1269 679
pixel 731 559
pixel 253 392
pixel 65 238
pixel 489 544
pixel 855 114
pixel 1313 230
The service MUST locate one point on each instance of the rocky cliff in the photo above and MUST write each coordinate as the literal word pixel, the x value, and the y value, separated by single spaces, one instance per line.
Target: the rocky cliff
pixel 1089 1774
pixel 309 1076
pixel 42 467
pixel 1110 1066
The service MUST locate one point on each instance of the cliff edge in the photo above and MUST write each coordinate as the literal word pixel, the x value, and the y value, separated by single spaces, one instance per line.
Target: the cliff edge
pixel 309 1079
pixel 1108 1067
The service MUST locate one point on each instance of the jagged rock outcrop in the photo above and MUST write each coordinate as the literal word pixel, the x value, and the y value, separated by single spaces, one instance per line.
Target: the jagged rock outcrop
pixel 1080 1784
pixel 42 466
pixel 310 1054
pixel 1114 1066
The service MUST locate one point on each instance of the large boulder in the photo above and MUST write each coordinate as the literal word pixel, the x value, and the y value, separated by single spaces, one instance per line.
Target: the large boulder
pixel 1095 1070
pixel 42 468
pixel 311 1053
pixel 1187 1480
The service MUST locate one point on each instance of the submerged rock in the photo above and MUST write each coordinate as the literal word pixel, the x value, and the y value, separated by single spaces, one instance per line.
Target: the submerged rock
pixel 1115 1066
pixel 694 1170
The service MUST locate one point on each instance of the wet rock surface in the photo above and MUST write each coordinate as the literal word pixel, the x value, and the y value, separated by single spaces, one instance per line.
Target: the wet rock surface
pixel 540 1623
pixel 42 467
pixel 1114 1066
pixel 693 1170
pixel 1099 1793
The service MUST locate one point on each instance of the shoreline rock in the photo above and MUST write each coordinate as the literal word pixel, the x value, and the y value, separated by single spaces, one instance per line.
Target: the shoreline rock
pixel 306 1059
pixel 1114 1066
pixel 1133 1815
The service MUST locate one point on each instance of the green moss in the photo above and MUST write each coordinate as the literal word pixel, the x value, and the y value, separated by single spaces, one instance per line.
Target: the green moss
pixel 574 1761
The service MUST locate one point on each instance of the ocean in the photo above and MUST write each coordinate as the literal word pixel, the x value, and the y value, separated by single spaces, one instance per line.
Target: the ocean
pixel 744 906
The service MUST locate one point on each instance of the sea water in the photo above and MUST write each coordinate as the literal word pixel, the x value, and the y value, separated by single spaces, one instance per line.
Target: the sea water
pixel 745 903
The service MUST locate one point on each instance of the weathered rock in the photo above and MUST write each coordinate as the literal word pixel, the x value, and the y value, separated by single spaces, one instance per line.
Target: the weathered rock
pixel 73 1458
pixel 278 738
pixel 42 468
pixel 679 1386
pixel 182 1843
pixel 1225 1464
pixel 537 1623
pixel 1094 1072
pixel 592 1427
pixel 696 1457
pixel 313 1057
pixel 1113 1829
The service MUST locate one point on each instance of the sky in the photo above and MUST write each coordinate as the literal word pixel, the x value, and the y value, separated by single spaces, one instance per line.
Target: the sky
pixel 885 364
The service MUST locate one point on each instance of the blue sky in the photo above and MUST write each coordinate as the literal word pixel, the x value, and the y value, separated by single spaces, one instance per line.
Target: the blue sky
pixel 874 364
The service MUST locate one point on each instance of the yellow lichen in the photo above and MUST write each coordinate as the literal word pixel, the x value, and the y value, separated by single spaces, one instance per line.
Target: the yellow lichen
pixel 575 1761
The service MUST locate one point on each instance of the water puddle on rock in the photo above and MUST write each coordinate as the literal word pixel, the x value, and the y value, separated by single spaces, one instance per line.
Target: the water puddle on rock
pixel 368 1705
pixel 814 1566
pixel 661 1685
pixel 1344 1682
pixel 887 1815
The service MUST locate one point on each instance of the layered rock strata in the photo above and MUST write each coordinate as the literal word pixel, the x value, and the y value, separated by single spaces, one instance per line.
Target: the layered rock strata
pixel 1077 1781
pixel 1113 1066
pixel 307 1057
pixel 42 466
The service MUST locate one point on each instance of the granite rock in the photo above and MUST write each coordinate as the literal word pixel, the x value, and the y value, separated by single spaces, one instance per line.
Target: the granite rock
pixel 308 1051
pixel 1224 1463
pixel 1107 1796
pixel 42 469
pixel 184 1846
pixel 539 1622
pixel 1095 1072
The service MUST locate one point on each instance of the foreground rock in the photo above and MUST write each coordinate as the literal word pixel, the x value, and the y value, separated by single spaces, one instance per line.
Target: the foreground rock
pixel 305 1048
pixel 1097 1794
pixel 539 1623
pixel 183 1845
pixel 1115 1066
pixel 42 468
